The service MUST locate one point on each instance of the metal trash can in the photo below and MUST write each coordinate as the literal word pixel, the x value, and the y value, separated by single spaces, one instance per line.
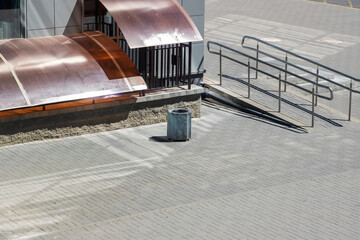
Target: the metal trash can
pixel 179 124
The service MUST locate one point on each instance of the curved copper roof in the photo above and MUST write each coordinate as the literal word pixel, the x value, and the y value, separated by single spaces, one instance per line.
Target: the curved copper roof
pixel 147 23
pixel 50 70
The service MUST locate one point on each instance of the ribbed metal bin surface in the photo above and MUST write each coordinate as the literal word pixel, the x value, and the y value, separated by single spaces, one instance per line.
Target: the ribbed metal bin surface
pixel 179 124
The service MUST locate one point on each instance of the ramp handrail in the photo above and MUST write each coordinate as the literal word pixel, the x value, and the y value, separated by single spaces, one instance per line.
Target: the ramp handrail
pixel 287 63
pixel 232 50
pixel 296 55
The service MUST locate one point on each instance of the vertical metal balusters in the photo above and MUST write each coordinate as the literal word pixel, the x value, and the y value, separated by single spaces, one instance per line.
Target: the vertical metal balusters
pixel 279 109
pixel 177 65
pixel 162 67
pixel 168 63
pixel 146 63
pixel 317 87
pixel 257 60
pixel 313 107
pixel 350 99
pixel 249 78
pixel 156 56
pixel 220 67
pixel 286 69
pixel 184 62
pixel 190 56
pixel 152 67
pixel 180 58
pixel 173 57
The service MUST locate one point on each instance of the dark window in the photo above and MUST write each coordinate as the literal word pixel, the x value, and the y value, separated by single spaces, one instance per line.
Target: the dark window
pixel 9 19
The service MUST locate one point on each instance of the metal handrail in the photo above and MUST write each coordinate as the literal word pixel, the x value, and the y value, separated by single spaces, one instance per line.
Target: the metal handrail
pixel 220 53
pixel 270 65
pixel 295 55
pixel 317 75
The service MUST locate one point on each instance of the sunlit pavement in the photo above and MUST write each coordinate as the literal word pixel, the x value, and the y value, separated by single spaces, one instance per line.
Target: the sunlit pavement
pixel 239 177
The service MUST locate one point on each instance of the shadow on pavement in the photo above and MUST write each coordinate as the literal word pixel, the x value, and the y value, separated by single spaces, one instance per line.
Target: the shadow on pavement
pixel 295 105
pixel 159 139
pixel 221 107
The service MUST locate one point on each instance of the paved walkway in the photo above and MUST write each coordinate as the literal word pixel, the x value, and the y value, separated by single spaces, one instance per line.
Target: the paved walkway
pixel 325 33
pixel 240 177
pixel 305 28
pixel 355 4
pixel 294 104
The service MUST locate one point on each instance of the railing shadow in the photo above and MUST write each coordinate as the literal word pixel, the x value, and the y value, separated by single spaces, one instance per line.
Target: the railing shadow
pixel 218 106
pixel 295 105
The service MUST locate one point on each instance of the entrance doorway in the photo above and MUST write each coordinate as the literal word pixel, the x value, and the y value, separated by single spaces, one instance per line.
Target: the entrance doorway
pixel 160 66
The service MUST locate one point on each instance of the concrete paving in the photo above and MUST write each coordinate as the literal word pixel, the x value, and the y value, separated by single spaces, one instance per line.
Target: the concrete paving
pixel 239 177
pixel 355 4
pixel 325 33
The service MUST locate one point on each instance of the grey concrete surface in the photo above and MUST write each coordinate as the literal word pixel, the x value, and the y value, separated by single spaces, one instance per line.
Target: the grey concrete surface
pixel 301 26
pixel 239 177
pixel 325 33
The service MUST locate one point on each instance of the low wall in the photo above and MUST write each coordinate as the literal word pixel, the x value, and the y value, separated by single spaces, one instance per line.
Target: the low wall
pixel 100 117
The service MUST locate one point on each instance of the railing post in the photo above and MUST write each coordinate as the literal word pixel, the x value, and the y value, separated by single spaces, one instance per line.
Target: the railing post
pixel 189 67
pixel 249 78
pixel 220 67
pixel 257 60
pixel 313 107
pixel 279 92
pixel 350 99
pixel 317 87
pixel 286 69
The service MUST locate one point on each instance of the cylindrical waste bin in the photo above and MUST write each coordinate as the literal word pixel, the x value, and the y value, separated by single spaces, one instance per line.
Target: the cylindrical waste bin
pixel 179 124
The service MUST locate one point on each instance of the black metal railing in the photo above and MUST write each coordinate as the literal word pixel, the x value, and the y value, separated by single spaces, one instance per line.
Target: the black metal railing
pixel 166 66
pixel 161 66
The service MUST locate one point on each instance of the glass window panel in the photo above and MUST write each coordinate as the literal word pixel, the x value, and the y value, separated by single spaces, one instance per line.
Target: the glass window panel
pixel 9 19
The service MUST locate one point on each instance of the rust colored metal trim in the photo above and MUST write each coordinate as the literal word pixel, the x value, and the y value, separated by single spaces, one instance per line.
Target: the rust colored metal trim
pixel 147 23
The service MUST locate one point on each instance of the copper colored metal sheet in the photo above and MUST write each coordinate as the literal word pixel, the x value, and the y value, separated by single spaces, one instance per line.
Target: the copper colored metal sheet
pixel 147 23
pixel 112 59
pixel 64 68
pixel 10 93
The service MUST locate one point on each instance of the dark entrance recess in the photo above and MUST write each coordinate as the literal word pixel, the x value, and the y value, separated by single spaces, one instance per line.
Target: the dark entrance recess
pixel 161 66
pixel 10 15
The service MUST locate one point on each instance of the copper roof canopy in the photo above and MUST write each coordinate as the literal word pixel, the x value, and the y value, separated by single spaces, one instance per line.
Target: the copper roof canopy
pixel 146 23
pixel 49 70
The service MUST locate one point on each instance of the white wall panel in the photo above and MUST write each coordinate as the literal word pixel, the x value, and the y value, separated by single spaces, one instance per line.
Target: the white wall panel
pixel 194 7
pixel 40 14
pixel 68 13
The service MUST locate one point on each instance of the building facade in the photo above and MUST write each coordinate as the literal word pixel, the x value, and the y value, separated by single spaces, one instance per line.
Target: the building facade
pixel 39 18
pixel 65 64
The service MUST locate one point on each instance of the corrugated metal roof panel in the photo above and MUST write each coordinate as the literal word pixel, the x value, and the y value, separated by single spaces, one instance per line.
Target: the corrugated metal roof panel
pixel 64 68
pixel 147 23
